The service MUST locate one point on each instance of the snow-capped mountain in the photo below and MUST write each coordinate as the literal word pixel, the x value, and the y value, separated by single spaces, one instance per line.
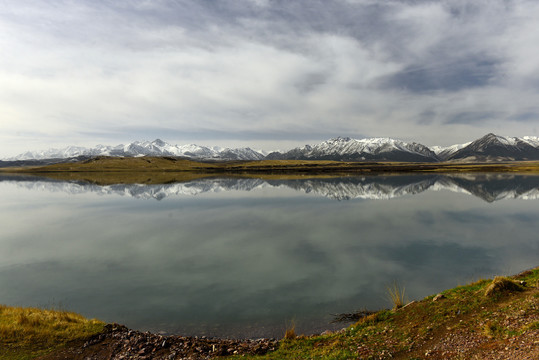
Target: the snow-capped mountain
pixel 493 147
pixel 488 148
pixel 345 148
pixel 444 152
pixel 157 147
pixel 490 188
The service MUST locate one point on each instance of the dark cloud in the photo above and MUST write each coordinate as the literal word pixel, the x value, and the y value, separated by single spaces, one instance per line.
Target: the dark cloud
pixel 427 117
pixel 309 82
pixel 471 117
pixel 468 73
pixel 531 116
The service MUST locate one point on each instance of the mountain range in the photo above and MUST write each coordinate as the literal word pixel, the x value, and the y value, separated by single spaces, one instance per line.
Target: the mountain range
pixel 489 187
pixel 489 148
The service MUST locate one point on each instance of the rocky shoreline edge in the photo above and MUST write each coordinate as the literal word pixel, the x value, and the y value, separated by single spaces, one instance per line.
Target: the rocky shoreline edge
pixel 119 342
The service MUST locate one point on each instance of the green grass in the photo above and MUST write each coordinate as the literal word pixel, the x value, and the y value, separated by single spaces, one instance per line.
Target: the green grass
pixel 28 332
pixel 398 332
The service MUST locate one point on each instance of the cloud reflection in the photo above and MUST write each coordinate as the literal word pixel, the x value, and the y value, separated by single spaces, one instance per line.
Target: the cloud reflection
pixel 242 263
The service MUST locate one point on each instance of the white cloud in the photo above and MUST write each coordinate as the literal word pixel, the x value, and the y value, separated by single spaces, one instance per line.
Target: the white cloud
pixel 91 71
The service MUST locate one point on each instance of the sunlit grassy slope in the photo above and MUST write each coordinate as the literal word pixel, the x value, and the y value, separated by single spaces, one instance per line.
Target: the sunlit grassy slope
pixel 154 170
pixel 487 315
pixel 28 332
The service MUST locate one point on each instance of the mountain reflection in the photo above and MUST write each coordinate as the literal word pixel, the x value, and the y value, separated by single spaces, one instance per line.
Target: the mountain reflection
pixel 488 187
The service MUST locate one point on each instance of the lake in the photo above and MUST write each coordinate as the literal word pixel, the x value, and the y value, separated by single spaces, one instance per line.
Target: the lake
pixel 234 257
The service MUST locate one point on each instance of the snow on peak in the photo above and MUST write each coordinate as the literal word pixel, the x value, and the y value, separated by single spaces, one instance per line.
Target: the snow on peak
pixel 448 149
pixel 531 140
pixel 338 148
pixel 506 140
pixel 346 145
pixel 156 147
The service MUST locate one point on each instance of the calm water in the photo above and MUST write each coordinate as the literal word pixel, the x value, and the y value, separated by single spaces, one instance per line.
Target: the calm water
pixel 242 258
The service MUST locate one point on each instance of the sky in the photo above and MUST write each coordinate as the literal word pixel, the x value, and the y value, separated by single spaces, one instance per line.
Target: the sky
pixel 268 74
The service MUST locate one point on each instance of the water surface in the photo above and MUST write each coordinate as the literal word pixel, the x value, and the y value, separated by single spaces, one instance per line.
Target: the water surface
pixel 243 257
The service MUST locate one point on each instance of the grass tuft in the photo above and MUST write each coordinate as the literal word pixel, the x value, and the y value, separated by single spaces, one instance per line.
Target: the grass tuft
pixel 502 284
pixel 396 294
pixel 290 332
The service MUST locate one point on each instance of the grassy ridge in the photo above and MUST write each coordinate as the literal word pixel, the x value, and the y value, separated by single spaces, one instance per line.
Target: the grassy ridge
pixel 166 164
pixel 158 170
pixel 28 332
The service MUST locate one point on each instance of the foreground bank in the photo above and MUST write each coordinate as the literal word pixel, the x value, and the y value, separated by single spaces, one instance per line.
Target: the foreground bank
pixel 489 319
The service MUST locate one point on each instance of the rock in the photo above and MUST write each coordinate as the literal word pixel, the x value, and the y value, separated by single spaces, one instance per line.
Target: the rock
pixel 438 297
pixel 405 306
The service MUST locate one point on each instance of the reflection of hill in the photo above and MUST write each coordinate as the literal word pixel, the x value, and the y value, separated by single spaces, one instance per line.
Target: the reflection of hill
pixel 367 187
pixel 489 187
pixel 493 187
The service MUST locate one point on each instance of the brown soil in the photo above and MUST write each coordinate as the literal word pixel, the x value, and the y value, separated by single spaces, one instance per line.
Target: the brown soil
pixel 499 336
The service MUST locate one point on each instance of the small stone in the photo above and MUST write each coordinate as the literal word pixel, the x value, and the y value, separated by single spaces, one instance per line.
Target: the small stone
pixel 438 297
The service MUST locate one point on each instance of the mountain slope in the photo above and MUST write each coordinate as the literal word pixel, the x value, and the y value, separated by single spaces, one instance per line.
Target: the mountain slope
pixel 488 148
pixel 493 147
pixel 347 149
pixel 444 152
pixel 146 148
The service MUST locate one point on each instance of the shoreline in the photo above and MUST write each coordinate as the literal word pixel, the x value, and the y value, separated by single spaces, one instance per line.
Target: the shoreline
pixel 487 319
pixel 160 170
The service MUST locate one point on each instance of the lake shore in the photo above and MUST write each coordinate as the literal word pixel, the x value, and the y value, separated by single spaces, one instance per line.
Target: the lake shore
pixel 160 170
pixel 488 319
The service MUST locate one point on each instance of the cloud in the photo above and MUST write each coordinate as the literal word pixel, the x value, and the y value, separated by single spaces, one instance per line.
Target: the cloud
pixel 471 117
pixel 268 68
pixel 446 77
pixel 525 116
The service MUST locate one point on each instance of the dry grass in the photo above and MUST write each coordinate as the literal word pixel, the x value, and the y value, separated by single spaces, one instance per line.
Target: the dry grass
pixel 143 166
pixel 396 294
pixel 25 332
pixel 290 332
pixel 502 284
